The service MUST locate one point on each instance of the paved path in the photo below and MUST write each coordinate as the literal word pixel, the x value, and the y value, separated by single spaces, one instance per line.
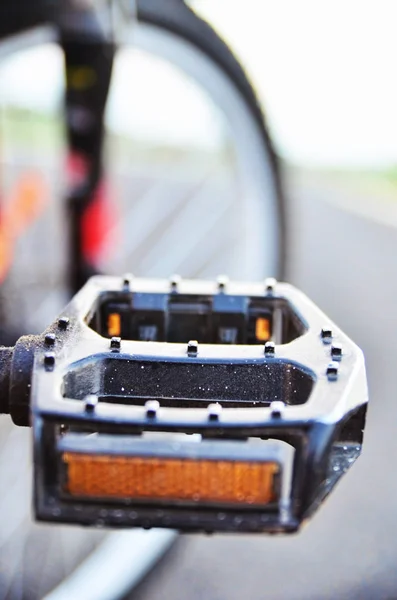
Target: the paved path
pixel 347 264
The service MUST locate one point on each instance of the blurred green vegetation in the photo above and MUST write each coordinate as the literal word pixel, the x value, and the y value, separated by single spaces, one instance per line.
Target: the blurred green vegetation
pixel 29 131
pixel 26 131
pixel 390 174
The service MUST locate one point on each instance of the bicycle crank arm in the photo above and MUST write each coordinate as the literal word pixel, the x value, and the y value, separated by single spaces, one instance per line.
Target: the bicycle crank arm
pixel 193 405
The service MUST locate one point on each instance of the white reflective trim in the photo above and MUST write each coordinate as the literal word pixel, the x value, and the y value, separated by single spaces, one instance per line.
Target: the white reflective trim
pixel 116 566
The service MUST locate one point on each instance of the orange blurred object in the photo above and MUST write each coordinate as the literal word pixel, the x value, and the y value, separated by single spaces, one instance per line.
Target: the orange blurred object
pixel 26 203
pixel 114 324
pixel 262 329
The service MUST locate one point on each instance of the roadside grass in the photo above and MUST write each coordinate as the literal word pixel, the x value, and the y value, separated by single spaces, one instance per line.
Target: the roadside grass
pixel 21 129
pixel 24 131
pixel 28 132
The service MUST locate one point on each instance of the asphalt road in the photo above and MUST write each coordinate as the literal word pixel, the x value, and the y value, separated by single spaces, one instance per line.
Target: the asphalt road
pixel 347 264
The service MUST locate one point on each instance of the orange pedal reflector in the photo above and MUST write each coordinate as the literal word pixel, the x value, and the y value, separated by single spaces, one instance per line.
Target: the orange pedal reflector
pixel 262 329
pixel 173 479
pixel 114 324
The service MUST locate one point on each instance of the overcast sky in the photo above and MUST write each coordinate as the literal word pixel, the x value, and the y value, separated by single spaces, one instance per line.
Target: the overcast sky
pixel 324 70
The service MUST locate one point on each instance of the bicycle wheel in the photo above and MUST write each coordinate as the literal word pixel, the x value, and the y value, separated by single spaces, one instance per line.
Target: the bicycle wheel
pixel 242 233
pixel 252 246
pixel 210 62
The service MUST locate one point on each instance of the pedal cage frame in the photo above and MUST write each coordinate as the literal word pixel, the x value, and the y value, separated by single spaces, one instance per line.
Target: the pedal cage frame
pixel 307 392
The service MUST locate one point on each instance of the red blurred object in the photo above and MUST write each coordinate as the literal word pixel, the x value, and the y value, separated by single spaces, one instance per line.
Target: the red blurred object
pixel 100 217
pixel 98 226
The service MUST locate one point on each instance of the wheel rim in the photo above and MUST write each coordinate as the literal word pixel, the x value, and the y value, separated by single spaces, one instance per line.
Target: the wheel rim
pixel 259 254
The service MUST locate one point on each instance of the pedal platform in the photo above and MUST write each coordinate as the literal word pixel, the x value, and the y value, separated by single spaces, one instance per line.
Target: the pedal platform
pixel 193 405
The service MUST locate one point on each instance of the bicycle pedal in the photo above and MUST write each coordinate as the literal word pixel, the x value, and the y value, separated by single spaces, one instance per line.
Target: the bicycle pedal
pixel 194 405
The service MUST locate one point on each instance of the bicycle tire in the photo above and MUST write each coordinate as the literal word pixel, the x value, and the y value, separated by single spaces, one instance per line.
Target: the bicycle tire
pixel 177 17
